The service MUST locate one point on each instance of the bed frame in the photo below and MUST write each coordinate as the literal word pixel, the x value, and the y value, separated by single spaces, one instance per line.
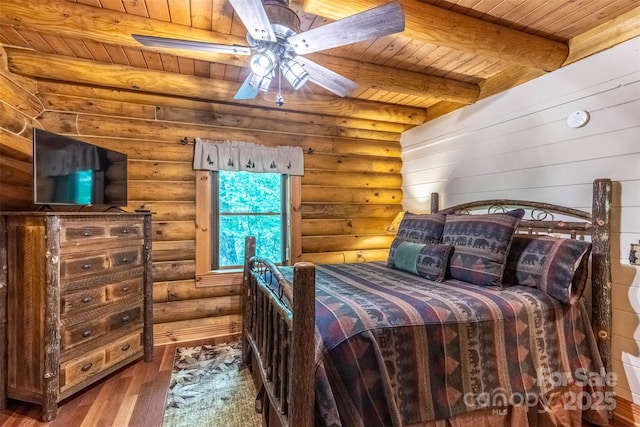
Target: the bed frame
pixel 281 352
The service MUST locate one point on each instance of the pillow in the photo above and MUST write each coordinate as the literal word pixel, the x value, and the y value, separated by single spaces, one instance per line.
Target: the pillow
pixel 481 244
pixel 427 260
pixel 557 266
pixel 421 228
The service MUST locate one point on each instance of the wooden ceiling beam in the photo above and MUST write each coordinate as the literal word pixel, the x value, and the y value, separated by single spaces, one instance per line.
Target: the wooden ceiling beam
pixel 70 19
pixel 431 24
pixel 395 80
pixel 76 20
pixel 618 30
pixel 80 71
pixel 608 34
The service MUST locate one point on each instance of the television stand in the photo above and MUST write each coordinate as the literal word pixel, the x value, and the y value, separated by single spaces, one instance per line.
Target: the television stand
pixel 80 309
pixel 114 208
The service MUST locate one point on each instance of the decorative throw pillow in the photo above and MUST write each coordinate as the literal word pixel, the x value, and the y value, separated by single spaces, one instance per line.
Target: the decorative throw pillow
pixel 421 228
pixel 427 260
pixel 555 265
pixel 481 244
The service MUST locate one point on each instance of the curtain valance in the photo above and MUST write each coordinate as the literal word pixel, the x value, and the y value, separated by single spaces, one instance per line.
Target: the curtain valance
pixel 246 156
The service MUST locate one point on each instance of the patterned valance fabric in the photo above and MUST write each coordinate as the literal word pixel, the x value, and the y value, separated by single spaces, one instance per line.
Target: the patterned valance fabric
pixel 248 157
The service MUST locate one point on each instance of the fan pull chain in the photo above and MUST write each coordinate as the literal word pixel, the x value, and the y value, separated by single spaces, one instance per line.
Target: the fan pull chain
pixel 279 98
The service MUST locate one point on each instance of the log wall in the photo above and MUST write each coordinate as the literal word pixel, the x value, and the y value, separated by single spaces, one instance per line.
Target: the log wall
pixel 350 192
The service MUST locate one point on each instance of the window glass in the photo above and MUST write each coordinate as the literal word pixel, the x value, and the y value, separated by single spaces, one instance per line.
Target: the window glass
pixel 249 204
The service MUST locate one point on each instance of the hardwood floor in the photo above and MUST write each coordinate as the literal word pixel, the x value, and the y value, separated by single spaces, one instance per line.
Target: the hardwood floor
pixel 132 396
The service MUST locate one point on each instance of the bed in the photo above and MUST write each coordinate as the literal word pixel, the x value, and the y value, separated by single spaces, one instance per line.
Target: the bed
pixel 478 317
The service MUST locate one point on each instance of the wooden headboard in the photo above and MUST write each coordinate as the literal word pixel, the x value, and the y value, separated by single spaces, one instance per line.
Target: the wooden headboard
pixel 541 219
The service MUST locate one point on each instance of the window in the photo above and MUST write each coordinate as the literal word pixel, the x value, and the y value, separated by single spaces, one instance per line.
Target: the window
pixel 244 204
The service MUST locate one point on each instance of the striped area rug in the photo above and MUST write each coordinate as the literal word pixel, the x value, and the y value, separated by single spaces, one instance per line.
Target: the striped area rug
pixel 210 386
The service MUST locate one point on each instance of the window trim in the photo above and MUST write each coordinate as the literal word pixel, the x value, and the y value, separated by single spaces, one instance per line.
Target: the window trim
pixel 203 237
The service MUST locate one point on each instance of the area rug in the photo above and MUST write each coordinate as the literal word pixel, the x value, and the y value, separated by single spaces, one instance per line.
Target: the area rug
pixel 210 386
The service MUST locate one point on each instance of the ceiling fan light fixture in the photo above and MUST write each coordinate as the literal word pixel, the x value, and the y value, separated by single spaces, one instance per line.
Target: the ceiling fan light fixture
pixel 273 35
pixel 263 62
pixel 261 83
pixel 295 73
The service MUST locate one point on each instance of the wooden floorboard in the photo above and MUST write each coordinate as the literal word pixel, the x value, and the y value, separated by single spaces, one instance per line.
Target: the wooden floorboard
pixel 132 396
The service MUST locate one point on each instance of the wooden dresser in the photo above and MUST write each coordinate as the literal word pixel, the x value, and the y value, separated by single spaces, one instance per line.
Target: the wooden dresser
pixel 79 301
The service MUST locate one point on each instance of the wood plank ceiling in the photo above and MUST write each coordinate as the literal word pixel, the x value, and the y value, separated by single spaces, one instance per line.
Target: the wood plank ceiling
pixel 452 52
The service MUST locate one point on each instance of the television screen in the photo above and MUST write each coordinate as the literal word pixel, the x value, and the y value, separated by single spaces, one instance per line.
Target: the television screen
pixel 71 172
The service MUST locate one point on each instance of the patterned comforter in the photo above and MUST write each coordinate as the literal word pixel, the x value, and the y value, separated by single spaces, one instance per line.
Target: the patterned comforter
pixel 395 349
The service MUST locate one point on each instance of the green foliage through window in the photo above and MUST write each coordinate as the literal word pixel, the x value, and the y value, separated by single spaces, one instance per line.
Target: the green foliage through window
pixel 249 204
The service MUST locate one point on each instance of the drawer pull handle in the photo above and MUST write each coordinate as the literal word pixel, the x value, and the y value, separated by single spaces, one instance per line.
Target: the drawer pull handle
pixel 86 333
pixel 125 231
pixel 125 260
pixel 86 367
pixel 87 233
pixel 125 347
pixel 86 300
pixel 126 318
pixel 125 289
pixel 87 266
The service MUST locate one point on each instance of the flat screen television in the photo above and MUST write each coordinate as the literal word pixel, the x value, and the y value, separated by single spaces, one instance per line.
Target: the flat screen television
pixel 71 172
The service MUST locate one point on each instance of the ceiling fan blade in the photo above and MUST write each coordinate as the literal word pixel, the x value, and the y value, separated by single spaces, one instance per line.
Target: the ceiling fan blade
pixel 246 91
pixel 191 45
pixel 377 22
pixel 254 18
pixel 326 78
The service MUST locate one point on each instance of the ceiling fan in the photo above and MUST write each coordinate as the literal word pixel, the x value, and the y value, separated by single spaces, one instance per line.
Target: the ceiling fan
pixel 276 44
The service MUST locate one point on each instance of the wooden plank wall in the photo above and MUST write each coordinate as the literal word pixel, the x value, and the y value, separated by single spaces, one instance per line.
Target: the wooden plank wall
pixel 517 145
pixel 350 191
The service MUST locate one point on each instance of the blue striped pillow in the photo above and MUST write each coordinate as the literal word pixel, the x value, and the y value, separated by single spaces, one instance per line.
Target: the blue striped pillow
pixel 428 260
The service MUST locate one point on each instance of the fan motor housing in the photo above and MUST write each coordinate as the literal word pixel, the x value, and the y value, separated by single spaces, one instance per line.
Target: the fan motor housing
pixel 284 21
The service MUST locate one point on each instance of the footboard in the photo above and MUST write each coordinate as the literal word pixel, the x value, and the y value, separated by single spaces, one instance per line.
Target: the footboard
pixel 283 349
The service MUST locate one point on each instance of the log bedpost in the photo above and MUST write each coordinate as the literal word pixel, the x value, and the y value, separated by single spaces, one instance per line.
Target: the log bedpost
pixel 302 388
pixel 601 268
pixel 148 289
pixel 3 314
pixel 249 251
pixel 435 203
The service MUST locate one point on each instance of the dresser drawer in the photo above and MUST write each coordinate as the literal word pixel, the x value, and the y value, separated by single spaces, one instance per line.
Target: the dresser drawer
pixel 124 348
pixel 97 262
pixel 79 370
pixel 83 264
pixel 124 289
pixel 79 231
pixel 74 302
pixel 124 319
pixel 92 328
pixel 126 257
pixel 80 333
pixel 125 229
pixel 77 301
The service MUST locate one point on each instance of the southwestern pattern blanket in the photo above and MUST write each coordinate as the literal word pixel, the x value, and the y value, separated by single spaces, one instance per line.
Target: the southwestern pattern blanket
pixel 395 349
